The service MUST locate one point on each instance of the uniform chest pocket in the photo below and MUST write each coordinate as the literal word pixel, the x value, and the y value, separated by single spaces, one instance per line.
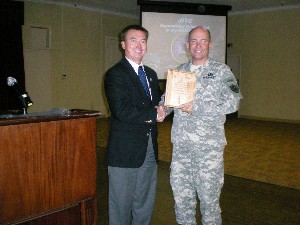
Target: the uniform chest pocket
pixel 209 84
pixel 209 89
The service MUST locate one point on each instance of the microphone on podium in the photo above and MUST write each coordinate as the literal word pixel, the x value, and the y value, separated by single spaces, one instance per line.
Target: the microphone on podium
pixel 23 95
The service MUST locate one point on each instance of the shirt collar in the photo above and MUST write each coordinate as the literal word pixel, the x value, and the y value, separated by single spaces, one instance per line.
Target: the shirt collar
pixel 134 65
pixel 194 67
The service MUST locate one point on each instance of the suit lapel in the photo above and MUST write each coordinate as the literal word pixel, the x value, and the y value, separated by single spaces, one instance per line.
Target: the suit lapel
pixel 133 76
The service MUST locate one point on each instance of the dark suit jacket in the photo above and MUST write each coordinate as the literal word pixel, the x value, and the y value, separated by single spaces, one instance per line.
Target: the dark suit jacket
pixel 130 109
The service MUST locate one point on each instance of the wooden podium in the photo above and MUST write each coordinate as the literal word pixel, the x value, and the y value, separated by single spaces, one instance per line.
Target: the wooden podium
pixel 48 169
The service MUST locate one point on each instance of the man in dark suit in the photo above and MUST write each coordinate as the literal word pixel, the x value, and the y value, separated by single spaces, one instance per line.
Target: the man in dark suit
pixel 132 146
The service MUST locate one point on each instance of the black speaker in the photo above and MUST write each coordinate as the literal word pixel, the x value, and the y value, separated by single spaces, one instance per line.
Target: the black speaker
pixel 201 9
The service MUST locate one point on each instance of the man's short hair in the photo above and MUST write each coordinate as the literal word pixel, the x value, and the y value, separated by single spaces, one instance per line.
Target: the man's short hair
pixel 199 27
pixel 132 27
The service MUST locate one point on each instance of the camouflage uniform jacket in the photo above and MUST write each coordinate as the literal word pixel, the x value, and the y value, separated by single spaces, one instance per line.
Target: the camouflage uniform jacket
pixel 216 95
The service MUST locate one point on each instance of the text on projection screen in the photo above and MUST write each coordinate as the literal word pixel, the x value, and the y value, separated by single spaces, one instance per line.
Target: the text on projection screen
pixel 168 35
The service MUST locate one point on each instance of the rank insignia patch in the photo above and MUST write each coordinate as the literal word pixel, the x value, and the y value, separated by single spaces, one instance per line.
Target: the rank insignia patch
pixel 234 88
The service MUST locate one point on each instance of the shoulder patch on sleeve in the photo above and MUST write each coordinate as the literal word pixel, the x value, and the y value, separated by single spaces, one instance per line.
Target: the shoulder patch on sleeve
pixel 232 85
pixel 235 88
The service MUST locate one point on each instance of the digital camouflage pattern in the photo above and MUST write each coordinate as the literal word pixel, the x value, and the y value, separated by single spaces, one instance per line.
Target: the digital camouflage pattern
pixel 197 169
pixel 216 95
pixel 198 143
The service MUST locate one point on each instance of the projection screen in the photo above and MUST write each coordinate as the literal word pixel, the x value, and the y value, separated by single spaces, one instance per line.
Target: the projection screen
pixel 168 36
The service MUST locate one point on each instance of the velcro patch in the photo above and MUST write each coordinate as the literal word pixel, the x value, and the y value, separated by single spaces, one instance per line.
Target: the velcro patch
pixel 235 88
pixel 232 85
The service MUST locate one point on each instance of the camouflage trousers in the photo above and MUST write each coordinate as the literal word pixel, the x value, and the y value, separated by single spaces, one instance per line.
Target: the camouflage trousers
pixel 197 171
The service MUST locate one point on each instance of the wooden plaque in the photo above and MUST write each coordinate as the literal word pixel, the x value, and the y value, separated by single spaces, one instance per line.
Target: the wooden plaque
pixel 180 88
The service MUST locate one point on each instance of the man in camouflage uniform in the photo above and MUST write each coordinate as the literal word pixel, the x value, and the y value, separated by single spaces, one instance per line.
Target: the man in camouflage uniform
pixel 198 137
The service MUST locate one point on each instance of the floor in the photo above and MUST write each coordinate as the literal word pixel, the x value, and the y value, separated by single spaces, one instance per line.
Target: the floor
pixel 262 174
pixel 243 201
pixel 257 150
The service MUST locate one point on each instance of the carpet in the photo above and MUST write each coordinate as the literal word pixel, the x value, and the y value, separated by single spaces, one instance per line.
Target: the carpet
pixel 257 150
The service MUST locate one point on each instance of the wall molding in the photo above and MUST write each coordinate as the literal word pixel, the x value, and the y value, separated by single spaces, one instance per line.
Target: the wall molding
pixel 279 8
pixel 83 7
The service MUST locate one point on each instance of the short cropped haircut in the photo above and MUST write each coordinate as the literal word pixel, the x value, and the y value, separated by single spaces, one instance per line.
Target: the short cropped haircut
pixel 132 27
pixel 199 27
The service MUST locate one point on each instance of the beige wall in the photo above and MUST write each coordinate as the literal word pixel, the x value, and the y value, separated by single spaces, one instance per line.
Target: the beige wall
pixel 267 43
pixel 269 46
pixel 77 51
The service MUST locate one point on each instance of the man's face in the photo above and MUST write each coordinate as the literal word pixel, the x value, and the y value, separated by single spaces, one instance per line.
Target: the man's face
pixel 199 45
pixel 135 45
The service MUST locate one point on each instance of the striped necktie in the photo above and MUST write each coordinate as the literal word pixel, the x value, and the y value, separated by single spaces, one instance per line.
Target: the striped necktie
pixel 142 77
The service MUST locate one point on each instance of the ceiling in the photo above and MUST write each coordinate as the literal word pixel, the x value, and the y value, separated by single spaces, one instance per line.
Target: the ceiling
pixel 130 6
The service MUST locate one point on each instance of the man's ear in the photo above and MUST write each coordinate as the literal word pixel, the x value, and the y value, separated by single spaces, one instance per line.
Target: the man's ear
pixel 187 45
pixel 123 44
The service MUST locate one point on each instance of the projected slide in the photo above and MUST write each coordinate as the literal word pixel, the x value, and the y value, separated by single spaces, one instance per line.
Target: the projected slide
pixel 168 36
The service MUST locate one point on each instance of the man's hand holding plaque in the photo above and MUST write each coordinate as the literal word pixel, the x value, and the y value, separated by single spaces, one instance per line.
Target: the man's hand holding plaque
pixel 180 88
